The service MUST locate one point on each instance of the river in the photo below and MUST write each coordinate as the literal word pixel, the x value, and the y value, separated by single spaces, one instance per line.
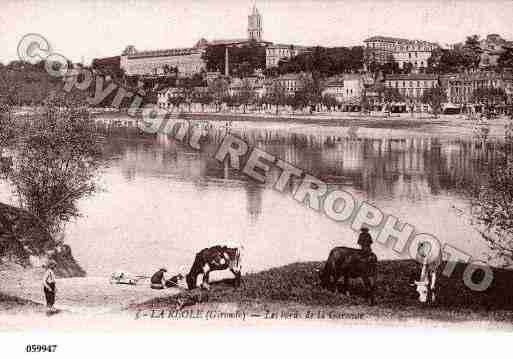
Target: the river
pixel 161 201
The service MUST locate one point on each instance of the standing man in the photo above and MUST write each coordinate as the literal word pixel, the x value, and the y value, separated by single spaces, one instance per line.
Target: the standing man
pixel 49 287
pixel 365 240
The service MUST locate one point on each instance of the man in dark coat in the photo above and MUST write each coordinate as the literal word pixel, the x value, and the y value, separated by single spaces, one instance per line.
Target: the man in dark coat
pixel 157 280
pixel 365 240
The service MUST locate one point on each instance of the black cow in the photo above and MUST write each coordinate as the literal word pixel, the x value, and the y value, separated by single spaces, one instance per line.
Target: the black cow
pixel 345 263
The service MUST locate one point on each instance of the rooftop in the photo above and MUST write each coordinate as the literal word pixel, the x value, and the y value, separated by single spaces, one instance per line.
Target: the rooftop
pixel 411 77
pixel 395 40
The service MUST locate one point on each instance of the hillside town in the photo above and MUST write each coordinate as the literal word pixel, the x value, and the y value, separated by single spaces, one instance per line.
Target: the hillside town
pixel 384 74
pixel 282 173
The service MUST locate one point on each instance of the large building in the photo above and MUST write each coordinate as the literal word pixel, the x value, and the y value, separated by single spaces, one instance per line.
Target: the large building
pixel 188 61
pixel 461 87
pixel 275 53
pixel 493 46
pixel 383 49
pixel 411 86
pixel 345 88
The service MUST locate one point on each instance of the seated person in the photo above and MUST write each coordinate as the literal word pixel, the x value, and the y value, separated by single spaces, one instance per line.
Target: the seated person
pixel 157 280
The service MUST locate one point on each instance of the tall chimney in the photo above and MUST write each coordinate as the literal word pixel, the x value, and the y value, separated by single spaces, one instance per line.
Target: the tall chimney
pixel 226 63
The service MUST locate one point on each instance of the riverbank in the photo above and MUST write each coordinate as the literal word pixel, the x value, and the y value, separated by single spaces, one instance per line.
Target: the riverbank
pixel 277 296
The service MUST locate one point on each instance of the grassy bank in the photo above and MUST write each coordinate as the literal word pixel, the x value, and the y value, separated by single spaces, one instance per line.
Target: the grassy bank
pixel 10 303
pixel 297 286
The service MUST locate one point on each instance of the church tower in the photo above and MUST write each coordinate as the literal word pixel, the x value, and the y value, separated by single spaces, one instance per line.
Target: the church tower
pixel 255 25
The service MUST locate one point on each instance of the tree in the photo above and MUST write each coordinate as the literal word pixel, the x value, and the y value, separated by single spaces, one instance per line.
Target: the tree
pixel 392 95
pixel 435 96
pixel 57 157
pixel 247 94
pixel 407 67
pixel 489 97
pixel 472 49
pixel 327 61
pixel 243 60
pixel 204 98
pixel 277 95
pixel 505 60
pixel 491 200
pixel 218 89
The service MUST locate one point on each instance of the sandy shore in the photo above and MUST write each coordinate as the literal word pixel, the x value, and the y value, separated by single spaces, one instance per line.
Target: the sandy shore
pixel 80 294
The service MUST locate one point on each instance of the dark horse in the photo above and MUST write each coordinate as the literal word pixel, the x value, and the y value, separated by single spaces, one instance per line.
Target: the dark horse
pixel 211 259
pixel 345 263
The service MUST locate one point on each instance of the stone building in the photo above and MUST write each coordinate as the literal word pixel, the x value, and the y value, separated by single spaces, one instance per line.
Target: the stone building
pixel 493 46
pixel 275 53
pixel 461 87
pixel 345 88
pixel 411 86
pixel 187 61
pixel 383 49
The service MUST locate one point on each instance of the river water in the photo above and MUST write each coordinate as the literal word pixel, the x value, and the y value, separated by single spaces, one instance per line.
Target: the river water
pixel 162 201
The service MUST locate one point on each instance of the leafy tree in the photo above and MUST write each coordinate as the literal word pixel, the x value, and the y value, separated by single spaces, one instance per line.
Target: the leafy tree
pixel 491 202
pixel 276 95
pixel 247 94
pixel 204 98
pixel 326 61
pixel 407 67
pixel 472 50
pixel 392 95
pixel 450 61
pixel 505 60
pixel 243 60
pixel 434 96
pixel 218 90
pixel 57 157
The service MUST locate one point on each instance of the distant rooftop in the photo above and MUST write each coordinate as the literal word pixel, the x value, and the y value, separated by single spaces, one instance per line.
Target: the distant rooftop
pixel 411 77
pixel 395 40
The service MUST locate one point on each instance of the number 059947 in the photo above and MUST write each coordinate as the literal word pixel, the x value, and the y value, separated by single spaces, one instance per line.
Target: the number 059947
pixel 40 348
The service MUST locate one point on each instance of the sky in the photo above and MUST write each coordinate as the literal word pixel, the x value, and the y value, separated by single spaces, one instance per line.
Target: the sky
pixel 85 29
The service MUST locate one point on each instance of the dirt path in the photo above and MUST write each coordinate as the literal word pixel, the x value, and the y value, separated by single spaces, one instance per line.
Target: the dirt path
pixel 81 294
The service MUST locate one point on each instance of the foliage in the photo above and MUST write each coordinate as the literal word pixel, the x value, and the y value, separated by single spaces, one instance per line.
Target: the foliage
pixel 56 160
pixel 247 94
pixel 242 60
pixel 444 61
pixel 506 59
pixel 472 50
pixel 493 210
pixel 22 83
pixel 327 61
pixel 276 95
pixel 218 89
pixel 434 96
pixel 392 95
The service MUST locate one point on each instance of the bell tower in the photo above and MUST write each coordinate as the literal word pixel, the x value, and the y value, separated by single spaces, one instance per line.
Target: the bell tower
pixel 255 25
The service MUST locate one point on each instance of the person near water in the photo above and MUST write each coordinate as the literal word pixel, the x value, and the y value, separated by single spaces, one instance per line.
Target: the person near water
pixel 157 280
pixel 365 240
pixel 49 287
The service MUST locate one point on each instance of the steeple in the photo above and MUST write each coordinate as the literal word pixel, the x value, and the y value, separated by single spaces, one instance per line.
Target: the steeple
pixel 255 24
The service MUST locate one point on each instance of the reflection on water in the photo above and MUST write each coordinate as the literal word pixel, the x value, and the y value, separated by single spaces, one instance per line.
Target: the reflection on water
pixel 163 202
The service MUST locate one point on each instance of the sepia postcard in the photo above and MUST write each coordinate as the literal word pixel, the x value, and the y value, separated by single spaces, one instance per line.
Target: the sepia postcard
pixel 199 165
